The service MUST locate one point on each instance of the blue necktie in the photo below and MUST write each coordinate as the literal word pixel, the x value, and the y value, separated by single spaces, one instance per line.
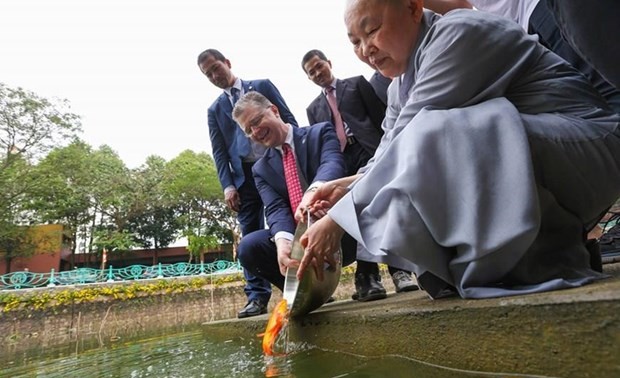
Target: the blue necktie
pixel 235 95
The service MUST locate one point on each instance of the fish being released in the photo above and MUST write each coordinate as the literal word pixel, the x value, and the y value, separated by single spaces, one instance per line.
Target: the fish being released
pixel 276 324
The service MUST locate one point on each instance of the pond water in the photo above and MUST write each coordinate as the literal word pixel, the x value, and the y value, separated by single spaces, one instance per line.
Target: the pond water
pixel 196 354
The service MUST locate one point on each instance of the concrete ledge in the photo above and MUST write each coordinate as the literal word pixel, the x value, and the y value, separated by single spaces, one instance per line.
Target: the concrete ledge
pixel 567 333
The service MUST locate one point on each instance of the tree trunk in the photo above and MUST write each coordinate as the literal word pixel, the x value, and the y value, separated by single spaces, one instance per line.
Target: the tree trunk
pixel 8 263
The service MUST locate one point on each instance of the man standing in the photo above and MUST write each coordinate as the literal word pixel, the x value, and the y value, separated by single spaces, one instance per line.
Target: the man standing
pixel 298 160
pixel 357 111
pixel 234 156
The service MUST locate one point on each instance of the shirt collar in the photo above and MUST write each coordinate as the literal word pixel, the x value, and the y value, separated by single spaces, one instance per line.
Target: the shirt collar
pixel 289 139
pixel 333 85
pixel 237 85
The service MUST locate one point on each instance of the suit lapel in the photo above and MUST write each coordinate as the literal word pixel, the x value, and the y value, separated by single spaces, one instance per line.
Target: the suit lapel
pixel 323 113
pixel 242 142
pixel 301 151
pixel 274 160
pixel 247 86
pixel 340 89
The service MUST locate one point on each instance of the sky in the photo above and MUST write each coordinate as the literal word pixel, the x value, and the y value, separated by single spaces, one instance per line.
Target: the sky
pixel 128 67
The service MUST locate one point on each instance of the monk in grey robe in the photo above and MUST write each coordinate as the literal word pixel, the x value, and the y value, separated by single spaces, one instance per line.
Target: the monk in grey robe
pixel 498 157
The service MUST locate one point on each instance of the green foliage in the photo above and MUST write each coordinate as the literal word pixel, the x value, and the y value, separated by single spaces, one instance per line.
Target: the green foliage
pixel 198 244
pixel 15 241
pixel 48 175
pixel 113 191
pixel 58 297
pixel 67 178
pixel 30 125
pixel 190 181
pixel 113 240
pixel 154 214
pixel 192 178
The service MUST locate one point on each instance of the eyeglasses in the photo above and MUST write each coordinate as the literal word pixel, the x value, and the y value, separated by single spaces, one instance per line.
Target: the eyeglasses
pixel 254 123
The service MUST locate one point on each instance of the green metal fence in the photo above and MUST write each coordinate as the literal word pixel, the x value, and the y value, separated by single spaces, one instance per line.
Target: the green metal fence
pixel 27 280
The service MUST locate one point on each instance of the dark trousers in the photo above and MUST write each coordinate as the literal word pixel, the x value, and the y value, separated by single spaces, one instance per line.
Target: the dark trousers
pixel 258 254
pixel 251 218
pixel 548 28
pixel 590 27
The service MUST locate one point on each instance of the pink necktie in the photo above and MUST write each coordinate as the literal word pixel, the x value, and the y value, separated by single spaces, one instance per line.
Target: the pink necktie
pixel 291 177
pixel 331 99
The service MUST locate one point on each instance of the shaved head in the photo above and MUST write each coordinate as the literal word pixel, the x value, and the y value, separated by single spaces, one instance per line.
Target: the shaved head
pixel 384 32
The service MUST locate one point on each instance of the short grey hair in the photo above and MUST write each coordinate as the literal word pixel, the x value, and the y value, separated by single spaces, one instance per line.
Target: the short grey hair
pixel 252 98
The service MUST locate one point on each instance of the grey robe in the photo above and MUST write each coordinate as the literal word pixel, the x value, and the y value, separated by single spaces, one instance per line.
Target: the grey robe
pixel 497 158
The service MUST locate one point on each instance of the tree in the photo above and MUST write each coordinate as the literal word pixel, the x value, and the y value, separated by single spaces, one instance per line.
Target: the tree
pixel 67 178
pixel 112 194
pixel 190 181
pixel 153 219
pixel 197 245
pixel 30 125
pixel 14 242
pixel 25 241
pixel 113 240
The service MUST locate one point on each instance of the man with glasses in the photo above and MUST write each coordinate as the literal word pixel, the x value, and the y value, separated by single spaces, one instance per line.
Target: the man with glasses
pixel 234 156
pixel 297 161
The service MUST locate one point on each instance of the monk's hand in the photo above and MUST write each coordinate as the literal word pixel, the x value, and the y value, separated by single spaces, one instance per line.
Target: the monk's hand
pixel 320 241
pixel 283 247
pixel 319 200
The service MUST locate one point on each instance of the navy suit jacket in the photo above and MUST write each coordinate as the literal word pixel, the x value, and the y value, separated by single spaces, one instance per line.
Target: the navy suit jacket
pixel 317 150
pixel 360 107
pixel 228 142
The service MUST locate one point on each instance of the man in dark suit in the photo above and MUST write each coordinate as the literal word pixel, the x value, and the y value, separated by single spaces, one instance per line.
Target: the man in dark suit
pixel 380 84
pixel 360 111
pixel 234 156
pixel 316 149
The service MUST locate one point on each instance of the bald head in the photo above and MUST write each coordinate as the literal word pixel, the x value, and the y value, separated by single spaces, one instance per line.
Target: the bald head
pixel 384 32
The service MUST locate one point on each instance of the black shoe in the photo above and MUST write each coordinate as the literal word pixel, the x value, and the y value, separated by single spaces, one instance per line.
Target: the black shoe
pixel 609 244
pixel 330 300
pixel 253 308
pixel 368 287
pixel 435 287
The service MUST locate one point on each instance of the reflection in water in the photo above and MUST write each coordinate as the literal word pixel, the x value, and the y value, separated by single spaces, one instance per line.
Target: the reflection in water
pixel 196 354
